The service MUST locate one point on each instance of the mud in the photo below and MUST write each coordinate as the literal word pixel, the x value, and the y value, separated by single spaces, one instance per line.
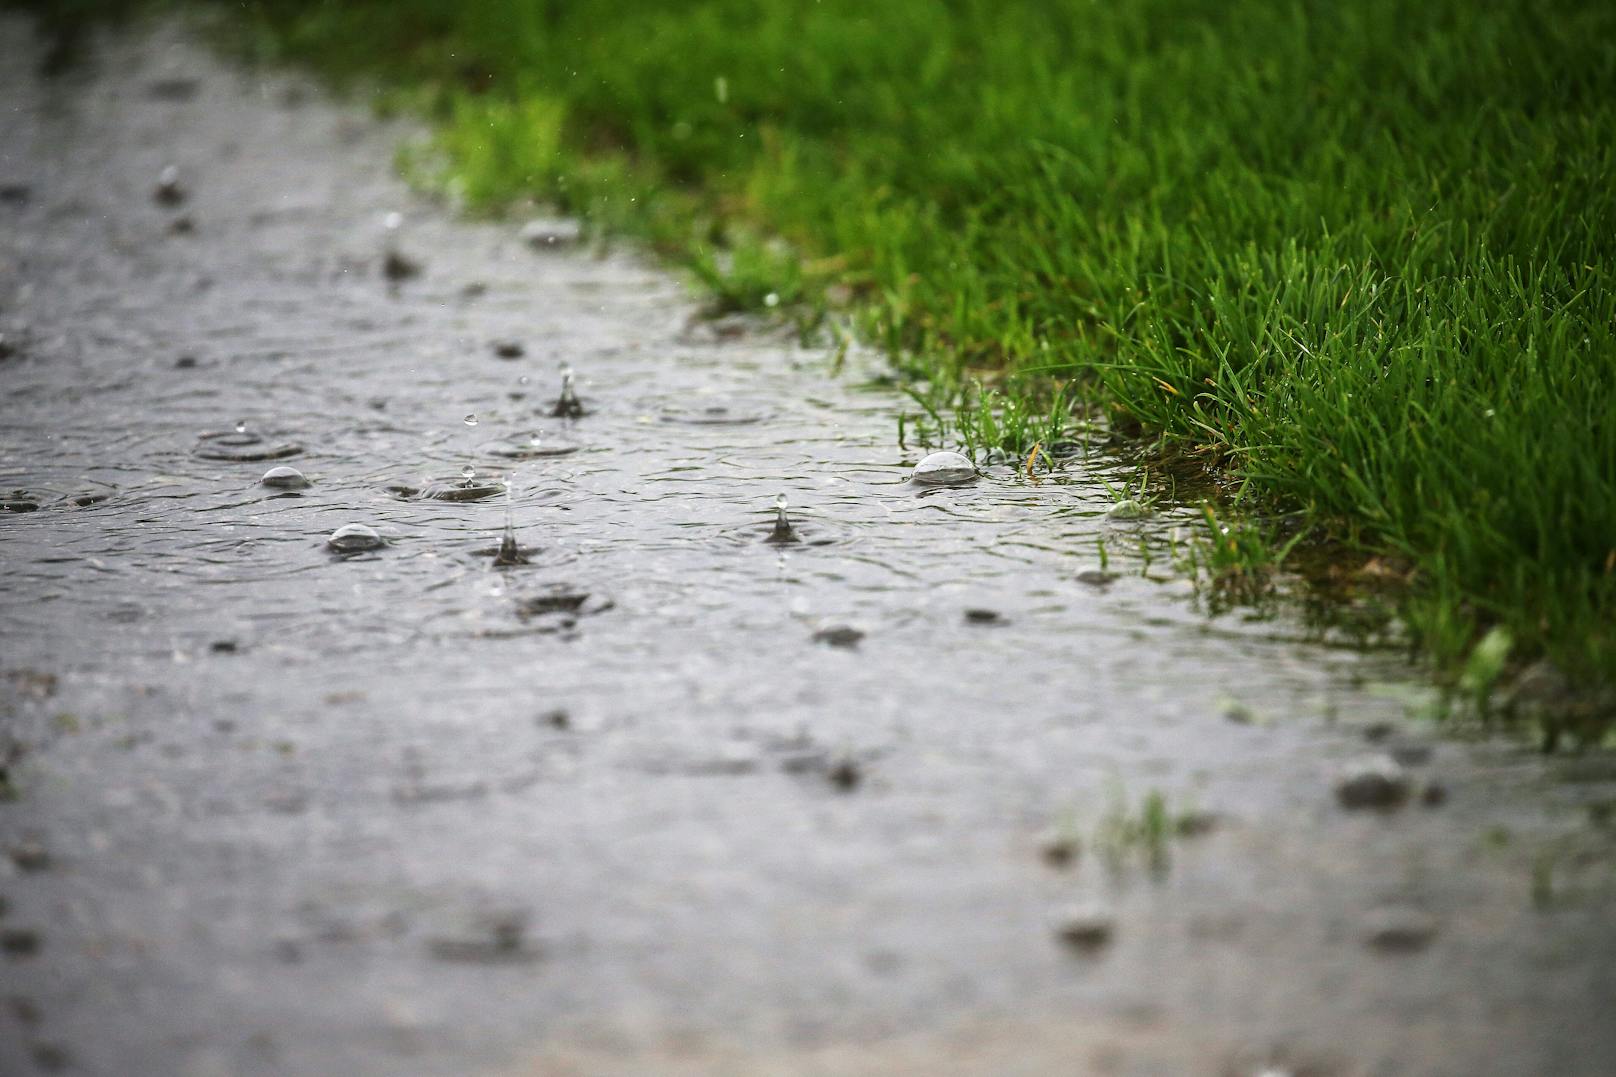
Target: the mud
pixel 668 798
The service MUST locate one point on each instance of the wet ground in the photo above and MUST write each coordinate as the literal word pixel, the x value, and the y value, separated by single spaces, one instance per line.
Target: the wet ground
pixel 668 798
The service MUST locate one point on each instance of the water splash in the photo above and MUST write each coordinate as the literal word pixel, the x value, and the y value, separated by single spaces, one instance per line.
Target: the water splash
pixel 783 533
pixel 509 552
pixel 567 405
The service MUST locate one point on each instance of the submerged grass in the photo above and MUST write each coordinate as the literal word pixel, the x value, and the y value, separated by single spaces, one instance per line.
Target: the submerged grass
pixel 1358 256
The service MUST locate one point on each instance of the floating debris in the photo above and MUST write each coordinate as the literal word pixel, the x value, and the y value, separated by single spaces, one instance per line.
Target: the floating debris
pixel 354 538
pixel 1375 782
pixel 782 534
pixel 567 405
pixel 944 469
pixel 169 191
pixel 283 477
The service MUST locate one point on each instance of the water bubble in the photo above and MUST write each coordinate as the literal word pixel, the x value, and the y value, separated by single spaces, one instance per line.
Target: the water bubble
pixel 354 538
pixel 393 220
pixel 284 478
pixel 470 419
pixel 535 441
pixel 944 469
pixel 241 426
pixel 523 380
pixel 1127 509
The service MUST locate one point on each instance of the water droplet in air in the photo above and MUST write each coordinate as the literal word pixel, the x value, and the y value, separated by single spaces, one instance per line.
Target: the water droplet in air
pixel 468 472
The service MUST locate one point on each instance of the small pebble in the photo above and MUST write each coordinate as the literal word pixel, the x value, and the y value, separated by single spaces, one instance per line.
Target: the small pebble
pixel 1375 782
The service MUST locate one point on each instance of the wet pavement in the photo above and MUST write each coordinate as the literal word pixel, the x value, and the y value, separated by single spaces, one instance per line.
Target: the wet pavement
pixel 903 796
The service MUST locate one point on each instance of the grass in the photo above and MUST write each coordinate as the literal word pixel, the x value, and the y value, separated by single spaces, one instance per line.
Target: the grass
pixel 1356 257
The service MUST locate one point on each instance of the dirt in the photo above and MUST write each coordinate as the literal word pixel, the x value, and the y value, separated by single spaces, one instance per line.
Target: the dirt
pixel 615 810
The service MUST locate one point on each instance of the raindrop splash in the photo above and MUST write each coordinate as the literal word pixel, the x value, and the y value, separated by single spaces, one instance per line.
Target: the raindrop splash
pixel 567 405
pixel 783 534
pixel 509 552
pixel 470 419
